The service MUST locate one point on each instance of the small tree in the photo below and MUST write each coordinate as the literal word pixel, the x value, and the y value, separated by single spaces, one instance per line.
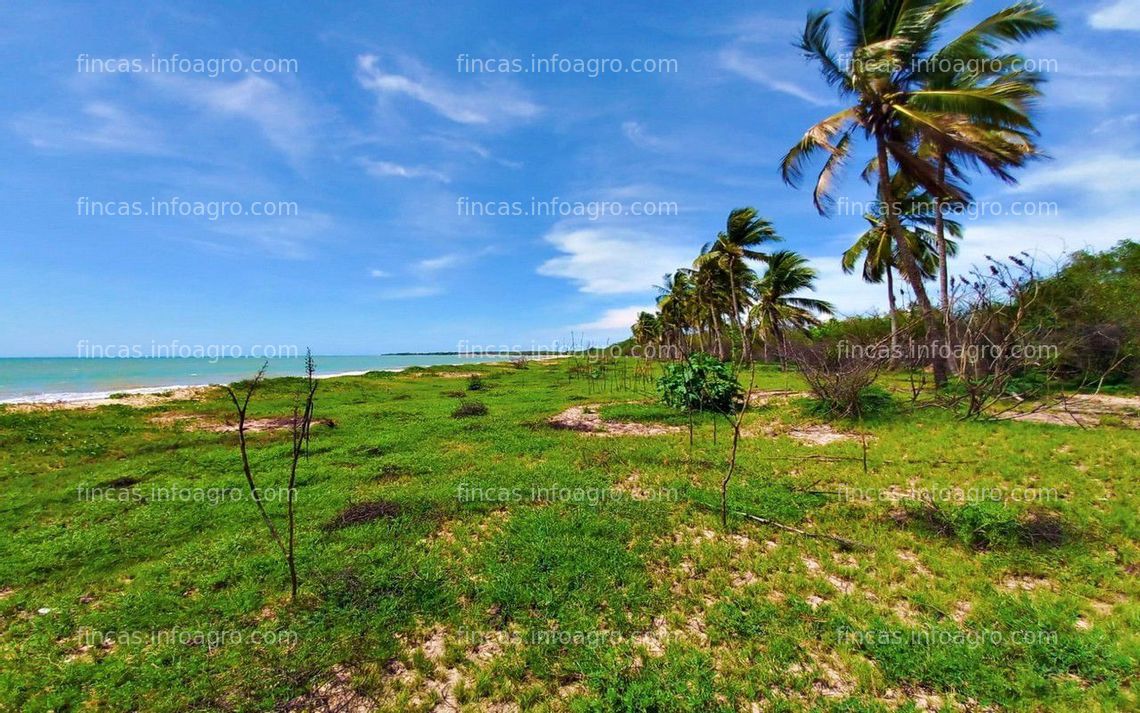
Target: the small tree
pixel 700 383
pixel 302 421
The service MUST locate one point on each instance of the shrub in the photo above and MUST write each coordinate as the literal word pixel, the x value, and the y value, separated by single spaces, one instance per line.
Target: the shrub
pixel 841 382
pixel 700 383
pixel 475 383
pixel 989 523
pixel 469 408
pixel 873 401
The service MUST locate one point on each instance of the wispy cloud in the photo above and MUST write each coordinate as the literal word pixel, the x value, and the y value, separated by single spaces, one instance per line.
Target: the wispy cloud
pixel 761 71
pixel 388 168
pixel 441 263
pixel 1118 15
pixel 101 126
pixel 284 237
pixel 1108 178
pixel 282 115
pixel 379 273
pixel 638 135
pixel 471 147
pixel 411 292
pixel 487 104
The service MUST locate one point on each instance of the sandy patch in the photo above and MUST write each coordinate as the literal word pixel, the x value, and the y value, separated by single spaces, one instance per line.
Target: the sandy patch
pixel 587 419
pixel 1083 410
pixel 915 563
pixel 760 397
pixel 656 639
pixel 198 422
pixel 188 393
pixel 1026 583
pixel 961 611
pixel 335 694
pixel 631 486
pixel 829 677
pixel 906 612
pixel 809 435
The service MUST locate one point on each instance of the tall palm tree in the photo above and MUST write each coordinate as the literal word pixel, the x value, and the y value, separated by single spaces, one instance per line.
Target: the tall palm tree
pixel 889 42
pixel 675 306
pixel 711 290
pixel 877 248
pixel 647 329
pixel 968 63
pixel 745 231
pixel 778 310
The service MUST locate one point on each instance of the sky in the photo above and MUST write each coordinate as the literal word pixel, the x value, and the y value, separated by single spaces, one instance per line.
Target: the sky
pixel 372 148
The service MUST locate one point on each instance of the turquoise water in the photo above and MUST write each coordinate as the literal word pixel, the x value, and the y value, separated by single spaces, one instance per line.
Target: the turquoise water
pixel 65 379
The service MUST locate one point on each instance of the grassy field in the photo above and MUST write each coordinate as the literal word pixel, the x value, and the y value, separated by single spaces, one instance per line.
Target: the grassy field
pixel 493 562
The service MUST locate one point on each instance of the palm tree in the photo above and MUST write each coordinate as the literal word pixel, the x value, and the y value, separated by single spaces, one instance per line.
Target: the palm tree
pixel 674 304
pixel 966 64
pixel 744 232
pixel 711 290
pixel 889 42
pixel 778 310
pixel 879 257
pixel 647 329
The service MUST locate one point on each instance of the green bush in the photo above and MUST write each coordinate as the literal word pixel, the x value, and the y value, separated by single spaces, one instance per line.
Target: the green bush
pixel 873 401
pixel 700 383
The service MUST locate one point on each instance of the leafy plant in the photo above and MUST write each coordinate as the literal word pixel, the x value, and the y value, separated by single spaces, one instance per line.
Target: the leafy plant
pixel 700 383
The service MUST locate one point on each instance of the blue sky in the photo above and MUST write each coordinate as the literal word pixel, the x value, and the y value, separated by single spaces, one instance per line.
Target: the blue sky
pixel 378 137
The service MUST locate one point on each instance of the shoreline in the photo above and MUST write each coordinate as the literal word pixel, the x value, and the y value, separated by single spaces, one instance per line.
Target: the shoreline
pixel 133 394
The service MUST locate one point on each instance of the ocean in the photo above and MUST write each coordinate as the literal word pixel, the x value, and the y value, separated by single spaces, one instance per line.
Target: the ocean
pixel 75 379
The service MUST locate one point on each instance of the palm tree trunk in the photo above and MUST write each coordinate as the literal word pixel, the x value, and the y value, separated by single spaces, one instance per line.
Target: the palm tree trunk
pixel 717 337
pixel 745 352
pixel 943 269
pixel 781 344
pixel 909 265
pixel 893 307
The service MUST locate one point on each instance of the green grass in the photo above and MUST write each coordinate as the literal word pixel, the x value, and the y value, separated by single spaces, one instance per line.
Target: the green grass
pixel 510 562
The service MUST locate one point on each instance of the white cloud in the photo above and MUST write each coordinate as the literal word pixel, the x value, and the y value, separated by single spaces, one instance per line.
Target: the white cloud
pixel 282 116
pixel 1108 177
pixel 440 263
pixel 610 261
pixel 637 134
pixel 616 319
pixel 763 72
pixel 1118 15
pixel 379 273
pixel 387 168
pixel 465 146
pixel 1046 239
pixel 105 127
pixel 849 293
pixel 285 237
pixel 490 103
pixel 411 292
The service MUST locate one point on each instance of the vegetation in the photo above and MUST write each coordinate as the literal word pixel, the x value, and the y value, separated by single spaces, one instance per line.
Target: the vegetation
pixel 530 565
pixel 925 123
